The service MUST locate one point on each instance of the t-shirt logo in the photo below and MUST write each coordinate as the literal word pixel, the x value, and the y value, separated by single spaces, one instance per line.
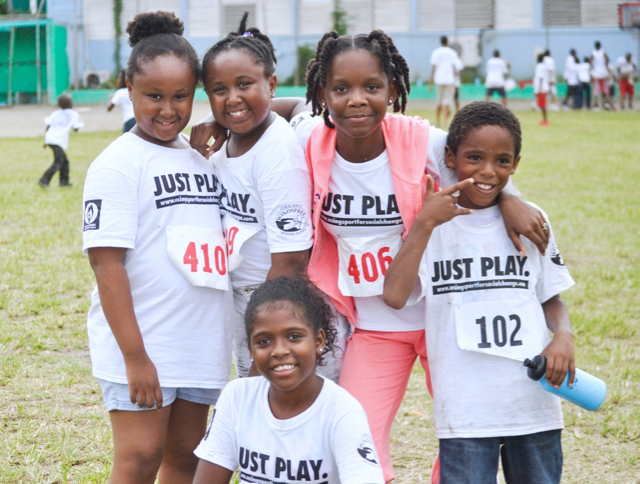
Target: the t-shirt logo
pixel 92 215
pixel 366 450
pixel 556 258
pixel 292 219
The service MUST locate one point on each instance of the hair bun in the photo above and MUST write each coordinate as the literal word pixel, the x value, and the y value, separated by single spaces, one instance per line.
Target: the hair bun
pixel 151 23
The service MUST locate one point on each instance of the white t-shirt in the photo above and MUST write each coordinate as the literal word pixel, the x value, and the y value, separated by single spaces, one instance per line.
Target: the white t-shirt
pixel 60 123
pixel 361 203
pixel 496 70
pixel 571 71
pixel 541 78
pixel 551 66
pixel 121 98
pixel 584 72
pixel 599 65
pixel 329 443
pixel 268 190
pixel 134 195
pixel 625 68
pixel 482 295
pixel 447 63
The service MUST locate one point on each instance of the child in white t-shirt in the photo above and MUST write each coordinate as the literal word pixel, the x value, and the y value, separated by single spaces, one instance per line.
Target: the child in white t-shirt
pixel 541 85
pixel 487 309
pixel 261 174
pixel 56 136
pixel 161 313
pixel 290 424
pixel 121 98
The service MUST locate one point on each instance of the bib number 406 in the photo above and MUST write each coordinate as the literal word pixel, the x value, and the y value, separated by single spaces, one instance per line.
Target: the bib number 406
pixel 191 258
pixel 499 333
pixel 369 266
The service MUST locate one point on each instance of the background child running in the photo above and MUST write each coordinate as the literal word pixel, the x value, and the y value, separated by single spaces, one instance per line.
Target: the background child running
pixel 121 98
pixel 56 136
pixel 290 424
pixel 487 309
pixel 160 319
pixel 265 190
pixel 368 170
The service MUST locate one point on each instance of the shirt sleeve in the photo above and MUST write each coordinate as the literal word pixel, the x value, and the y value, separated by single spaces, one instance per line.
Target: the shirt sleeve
pixel 555 277
pixel 219 445
pixel 354 451
pixel 77 121
pixel 303 124
pixel 110 209
pixel 435 157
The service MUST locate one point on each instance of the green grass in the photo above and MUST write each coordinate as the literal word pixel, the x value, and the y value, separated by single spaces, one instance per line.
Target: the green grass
pixel 583 171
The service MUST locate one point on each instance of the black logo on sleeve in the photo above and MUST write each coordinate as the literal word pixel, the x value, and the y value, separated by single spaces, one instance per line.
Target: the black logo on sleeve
pixel 556 258
pixel 292 219
pixel 92 215
pixel 366 450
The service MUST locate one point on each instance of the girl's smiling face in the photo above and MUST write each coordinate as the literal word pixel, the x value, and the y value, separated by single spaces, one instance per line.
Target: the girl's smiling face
pixel 284 347
pixel 239 92
pixel 162 95
pixel 357 94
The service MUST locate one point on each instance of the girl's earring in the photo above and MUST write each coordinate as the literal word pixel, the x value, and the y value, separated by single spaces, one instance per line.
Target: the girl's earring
pixel 324 105
pixel 390 102
pixel 320 350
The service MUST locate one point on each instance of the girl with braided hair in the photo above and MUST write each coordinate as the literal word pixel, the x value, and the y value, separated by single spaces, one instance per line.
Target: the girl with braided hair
pixel 264 185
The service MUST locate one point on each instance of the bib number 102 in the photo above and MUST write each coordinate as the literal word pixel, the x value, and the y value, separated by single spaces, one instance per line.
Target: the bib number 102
pixel 500 336
pixel 191 258
pixel 369 266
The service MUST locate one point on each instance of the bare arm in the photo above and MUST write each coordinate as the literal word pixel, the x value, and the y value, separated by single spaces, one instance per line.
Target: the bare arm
pixel 288 107
pixel 559 353
pixel 520 218
pixel 115 296
pixel 437 209
pixel 288 264
pixel 210 473
pixel 202 132
pixel 433 72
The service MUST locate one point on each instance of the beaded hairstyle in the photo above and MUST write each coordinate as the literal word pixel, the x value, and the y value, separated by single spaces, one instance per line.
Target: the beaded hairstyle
pixel 378 43
pixel 305 301
pixel 152 34
pixel 479 114
pixel 250 40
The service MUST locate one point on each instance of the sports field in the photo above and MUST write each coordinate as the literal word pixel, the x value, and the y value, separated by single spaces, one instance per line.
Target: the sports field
pixel 584 170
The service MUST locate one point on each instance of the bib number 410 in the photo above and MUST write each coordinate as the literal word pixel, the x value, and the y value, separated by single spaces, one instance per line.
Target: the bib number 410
pixel 191 258
pixel 369 266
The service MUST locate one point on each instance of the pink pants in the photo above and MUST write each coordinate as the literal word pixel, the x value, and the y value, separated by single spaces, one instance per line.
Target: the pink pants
pixel 376 370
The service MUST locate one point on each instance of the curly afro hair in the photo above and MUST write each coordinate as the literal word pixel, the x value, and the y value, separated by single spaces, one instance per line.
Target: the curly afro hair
pixel 308 304
pixel 152 34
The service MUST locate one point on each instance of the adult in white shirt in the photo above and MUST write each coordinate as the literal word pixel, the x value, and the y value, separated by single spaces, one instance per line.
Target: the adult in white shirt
pixel 497 68
pixel 573 83
pixel 600 73
pixel 446 64
pixel 584 76
pixel 625 67
pixel 121 98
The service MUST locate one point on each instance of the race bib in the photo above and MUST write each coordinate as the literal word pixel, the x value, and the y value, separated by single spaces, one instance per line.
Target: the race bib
pixel 364 262
pixel 236 233
pixel 509 328
pixel 200 254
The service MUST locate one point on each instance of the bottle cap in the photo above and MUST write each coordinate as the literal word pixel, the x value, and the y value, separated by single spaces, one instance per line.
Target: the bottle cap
pixel 536 367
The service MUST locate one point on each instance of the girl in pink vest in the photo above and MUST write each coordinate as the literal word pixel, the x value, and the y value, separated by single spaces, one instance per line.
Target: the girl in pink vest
pixel 368 169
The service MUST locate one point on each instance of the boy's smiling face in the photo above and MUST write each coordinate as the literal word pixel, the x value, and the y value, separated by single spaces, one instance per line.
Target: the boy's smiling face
pixel 487 154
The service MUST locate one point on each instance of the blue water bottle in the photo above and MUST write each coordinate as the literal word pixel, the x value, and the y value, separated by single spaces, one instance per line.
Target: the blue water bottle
pixel 587 391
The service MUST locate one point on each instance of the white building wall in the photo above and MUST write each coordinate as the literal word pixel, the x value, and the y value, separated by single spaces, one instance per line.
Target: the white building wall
pixel 514 14
pixel 436 15
pixel 204 18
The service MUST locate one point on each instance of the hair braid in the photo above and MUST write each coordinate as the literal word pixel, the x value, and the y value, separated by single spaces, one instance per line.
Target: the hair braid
pixel 251 40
